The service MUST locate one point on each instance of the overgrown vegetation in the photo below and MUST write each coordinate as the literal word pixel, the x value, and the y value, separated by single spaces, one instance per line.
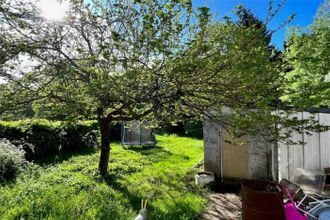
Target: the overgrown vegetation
pixel 160 61
pixel 307 55
pixel 40 138
pixel 11 160
pixel 73 189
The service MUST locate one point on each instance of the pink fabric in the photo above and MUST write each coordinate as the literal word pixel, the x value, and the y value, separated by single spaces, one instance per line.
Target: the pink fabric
pixel 291 213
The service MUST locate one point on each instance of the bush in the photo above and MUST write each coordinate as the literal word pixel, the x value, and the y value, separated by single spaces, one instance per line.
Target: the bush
pixel 11 160
pixel 115 131
pixel 192 128
pixel 50 138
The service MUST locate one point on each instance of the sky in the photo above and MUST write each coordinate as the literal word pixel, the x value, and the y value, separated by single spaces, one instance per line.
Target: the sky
pixel 305 11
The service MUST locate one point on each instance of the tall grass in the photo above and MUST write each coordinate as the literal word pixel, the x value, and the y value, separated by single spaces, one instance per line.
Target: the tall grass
pixel 73 189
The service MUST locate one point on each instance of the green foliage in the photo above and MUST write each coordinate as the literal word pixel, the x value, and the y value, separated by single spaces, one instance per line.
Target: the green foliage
pixel 232 74
pixel 307 54
pixel 108 64
pixel 194 129
pixel 73 189
pixel 248 20
pixel 11 160
pixel 41 138
pixel 190 128
pixel 230 66
pixel 104 61
pixel 150 60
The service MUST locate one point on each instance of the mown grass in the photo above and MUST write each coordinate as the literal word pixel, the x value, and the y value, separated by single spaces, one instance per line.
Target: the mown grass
pixel 72 188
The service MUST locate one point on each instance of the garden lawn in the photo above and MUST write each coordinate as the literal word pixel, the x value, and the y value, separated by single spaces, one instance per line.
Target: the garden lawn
pixel 72 188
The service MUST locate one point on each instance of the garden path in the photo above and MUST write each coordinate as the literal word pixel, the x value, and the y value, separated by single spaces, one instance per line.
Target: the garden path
pixel 223 204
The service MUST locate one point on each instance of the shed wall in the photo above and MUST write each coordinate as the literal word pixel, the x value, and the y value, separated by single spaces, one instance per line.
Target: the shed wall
pixel 212 147
pixel 227 160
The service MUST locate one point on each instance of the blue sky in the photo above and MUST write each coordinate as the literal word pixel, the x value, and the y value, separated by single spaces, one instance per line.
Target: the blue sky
pixel 305 11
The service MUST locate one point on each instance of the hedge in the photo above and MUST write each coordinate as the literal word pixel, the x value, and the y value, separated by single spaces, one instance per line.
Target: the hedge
pixel 41 138
pixel 188 129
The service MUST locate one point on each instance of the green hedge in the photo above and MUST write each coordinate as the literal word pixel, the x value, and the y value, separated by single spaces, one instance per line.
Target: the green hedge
pixel 187 129
pixel 41 138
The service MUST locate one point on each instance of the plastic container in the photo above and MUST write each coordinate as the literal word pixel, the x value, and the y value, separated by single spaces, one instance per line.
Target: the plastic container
pixel 203 178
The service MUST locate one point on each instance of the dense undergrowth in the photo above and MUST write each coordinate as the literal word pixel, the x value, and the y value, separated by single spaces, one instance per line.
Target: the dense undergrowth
pixel 43 138
pixel 71 188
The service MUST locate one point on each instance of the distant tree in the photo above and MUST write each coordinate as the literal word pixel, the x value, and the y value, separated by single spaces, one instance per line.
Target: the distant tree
pixel 247 19
pixel 228 74
pixel 307 55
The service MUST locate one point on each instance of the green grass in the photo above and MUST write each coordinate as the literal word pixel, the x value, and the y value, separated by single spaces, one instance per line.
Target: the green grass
pixel 72 188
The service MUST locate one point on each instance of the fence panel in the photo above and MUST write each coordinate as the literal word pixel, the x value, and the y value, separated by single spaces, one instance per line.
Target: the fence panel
pixel 325 141
pixel 313 154
pixel 312 146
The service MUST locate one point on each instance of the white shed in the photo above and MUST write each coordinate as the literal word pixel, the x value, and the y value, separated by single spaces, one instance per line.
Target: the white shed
pixel 258 159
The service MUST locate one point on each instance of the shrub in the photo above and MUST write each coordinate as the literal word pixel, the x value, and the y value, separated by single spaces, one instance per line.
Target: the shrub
pixel 191 128
pixel 76 137
pixel 50 138
pixel 11 160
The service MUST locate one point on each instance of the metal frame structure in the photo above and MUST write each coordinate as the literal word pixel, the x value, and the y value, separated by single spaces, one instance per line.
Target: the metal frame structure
pixel 310 205
pixel 137 133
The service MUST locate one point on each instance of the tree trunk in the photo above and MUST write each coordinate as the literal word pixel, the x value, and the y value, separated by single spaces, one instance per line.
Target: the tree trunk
pixel 105 145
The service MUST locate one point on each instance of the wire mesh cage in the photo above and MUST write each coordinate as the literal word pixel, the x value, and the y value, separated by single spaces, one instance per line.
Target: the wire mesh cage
pixel 137 133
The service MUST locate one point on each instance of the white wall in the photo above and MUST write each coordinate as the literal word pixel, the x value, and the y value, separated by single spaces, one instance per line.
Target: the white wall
pixel 212 147
pixel 314 154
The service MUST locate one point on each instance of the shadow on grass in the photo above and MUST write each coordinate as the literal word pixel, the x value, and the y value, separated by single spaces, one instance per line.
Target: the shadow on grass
pixel 123 166
pixel 175 210
pixel 139 148
pixel 164 189
pixel 154 153
pixel 61 157
pixel 134 200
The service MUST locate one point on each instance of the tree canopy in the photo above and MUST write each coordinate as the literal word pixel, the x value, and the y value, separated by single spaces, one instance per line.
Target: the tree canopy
pixel 307 54
pixel 117 60
pixel 105 60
